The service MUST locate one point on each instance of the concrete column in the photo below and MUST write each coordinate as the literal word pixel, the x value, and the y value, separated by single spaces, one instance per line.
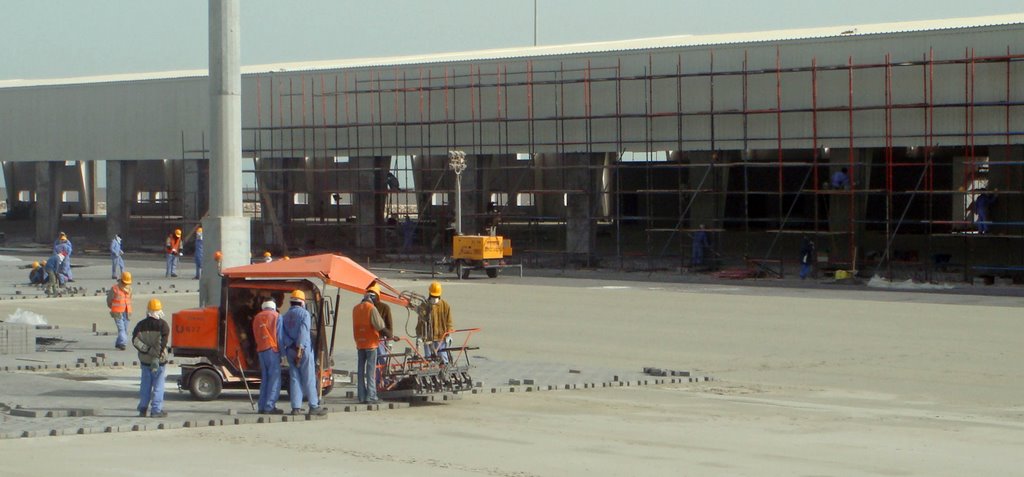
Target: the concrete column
pixel 48 205
pixel 10 184
pixel 582 179
pixel 120 196
pixel 706 208
pixel 195 186
pixel 368 201
pixel 1007 175
pixel 226 228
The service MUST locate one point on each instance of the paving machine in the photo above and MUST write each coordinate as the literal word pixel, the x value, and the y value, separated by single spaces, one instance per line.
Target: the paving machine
pixel 221 336
pixel 415 374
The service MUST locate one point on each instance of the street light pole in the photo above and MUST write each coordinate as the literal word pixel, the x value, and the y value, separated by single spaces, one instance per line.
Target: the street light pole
pixel 457 162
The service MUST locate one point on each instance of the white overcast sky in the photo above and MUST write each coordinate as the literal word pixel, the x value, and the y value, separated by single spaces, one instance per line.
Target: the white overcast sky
pixel 69 38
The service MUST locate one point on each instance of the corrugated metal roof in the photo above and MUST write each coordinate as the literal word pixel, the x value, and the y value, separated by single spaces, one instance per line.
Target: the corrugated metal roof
pixel 840 31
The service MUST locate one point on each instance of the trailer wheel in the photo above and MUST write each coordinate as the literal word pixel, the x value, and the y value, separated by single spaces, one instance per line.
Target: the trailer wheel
pixel 205 384
pixel 492 273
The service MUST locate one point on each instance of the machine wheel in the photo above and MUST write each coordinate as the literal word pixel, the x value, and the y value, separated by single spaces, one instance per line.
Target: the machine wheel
pixel 205 384
pixel 492 273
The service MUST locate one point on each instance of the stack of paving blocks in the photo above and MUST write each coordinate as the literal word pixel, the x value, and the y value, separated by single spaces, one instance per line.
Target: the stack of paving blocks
pixel 17 338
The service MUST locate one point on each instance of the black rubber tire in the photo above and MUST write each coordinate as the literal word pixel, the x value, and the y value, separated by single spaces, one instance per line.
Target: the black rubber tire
pixel 327 390
pixel 205 384
pixel 492 273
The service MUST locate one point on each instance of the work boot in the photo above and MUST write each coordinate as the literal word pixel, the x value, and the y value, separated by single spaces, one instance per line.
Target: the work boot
pixel 159 414
pixel 142 413
pixel 318 411
pixel 275 411
pixel 296 411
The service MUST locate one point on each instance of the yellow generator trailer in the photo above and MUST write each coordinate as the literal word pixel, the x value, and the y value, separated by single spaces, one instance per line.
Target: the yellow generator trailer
pixel 480 252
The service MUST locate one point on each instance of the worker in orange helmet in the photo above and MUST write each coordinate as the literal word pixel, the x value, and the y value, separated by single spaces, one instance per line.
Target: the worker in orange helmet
pixel 435 324
pixel 367 329
pixel 173 248
pixel 150 338
pixel 119 300
pixel 217 256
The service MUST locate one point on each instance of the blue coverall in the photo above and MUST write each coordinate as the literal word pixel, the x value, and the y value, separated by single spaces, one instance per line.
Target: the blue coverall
pixel 295 326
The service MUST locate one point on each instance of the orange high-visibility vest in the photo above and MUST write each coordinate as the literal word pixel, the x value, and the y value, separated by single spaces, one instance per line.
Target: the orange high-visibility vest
pixel 366 336
pixel 264 327
pixel 121 300
pixel 173 244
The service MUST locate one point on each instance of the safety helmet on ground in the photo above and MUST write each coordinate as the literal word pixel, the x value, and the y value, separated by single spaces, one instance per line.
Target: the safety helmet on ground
pixel 435 289
pixel 35 265
pixel 217 255
pixel 177 232
pixel 374 287
pixel 269 305
pixel 154 305
pixel 266 254
pixel 126 278
pixel 298 295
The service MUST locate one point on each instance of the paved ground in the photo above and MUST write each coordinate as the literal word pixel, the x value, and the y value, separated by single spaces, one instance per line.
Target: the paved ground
pixel 811 378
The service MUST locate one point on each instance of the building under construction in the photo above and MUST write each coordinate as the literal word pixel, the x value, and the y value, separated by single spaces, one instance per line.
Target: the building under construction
pixel 604 154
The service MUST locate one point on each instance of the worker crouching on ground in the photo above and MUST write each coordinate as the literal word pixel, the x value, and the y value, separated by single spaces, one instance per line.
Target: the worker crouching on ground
pixel 38 274
pixel 434 324
pixel 298 348
pixel 173 247
pixel 367 328
pixel 119 300
pixel 267 327
pixel 150 338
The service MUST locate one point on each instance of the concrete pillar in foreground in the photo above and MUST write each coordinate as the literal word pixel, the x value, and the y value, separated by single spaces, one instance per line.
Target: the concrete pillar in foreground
pixel 225 228
pixel 48 204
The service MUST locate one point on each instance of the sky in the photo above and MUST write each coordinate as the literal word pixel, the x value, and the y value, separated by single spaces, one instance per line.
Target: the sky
pixel 72 38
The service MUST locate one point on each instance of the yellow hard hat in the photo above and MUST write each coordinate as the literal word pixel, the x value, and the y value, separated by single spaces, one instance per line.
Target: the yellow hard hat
pixel 286 258
pixel 63 235
pixel 298 295
pixel 177 232
pixel 374 287
pixel 266 254
pixel 200 230
pixel 35 265
pixel 435 289
pixel 154 305
pixel 126 278
pixel 217 255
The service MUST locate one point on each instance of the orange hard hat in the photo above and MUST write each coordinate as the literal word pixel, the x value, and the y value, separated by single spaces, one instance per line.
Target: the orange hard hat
pixel 266 254
pixel 177 232
pixel 217 255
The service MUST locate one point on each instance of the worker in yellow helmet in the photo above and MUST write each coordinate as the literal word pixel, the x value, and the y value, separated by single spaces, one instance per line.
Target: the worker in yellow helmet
pixel 173 248
pixel 267 258
pixel 119 300
pixel 38 275
pixel 297 345
pixel 150 338
pixel 434 324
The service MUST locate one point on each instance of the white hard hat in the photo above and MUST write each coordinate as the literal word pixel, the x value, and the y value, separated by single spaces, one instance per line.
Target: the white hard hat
pixel 269 305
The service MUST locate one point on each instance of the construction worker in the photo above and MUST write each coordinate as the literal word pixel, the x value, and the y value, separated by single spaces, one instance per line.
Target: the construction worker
pixel 266 327
pixel 119 300
pixel 217 257
pixel 435 323
pixel 63 245
pixel 700 242
pixel 298 348
pixel 199 253
pixel 384 310
pixel 150 338
pixel 55 279
pixel 841 179
pixel 267 258
pixel 116 257
pixel 807 257
pixel 173 248
pixel 981 206
pixel 367 328
pixel 38 274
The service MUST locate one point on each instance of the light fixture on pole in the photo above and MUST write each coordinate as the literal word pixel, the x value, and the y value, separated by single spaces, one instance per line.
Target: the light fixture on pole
pixel 457 163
